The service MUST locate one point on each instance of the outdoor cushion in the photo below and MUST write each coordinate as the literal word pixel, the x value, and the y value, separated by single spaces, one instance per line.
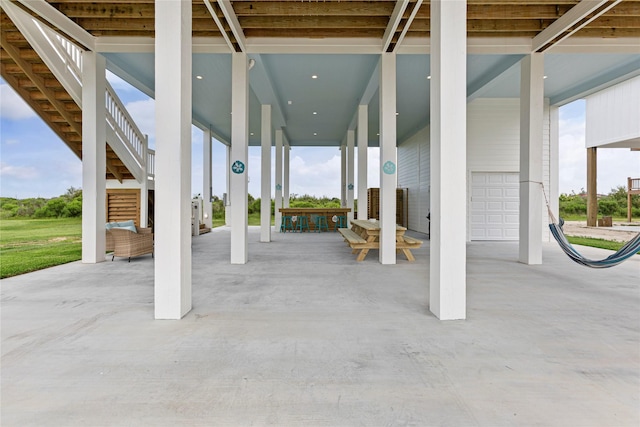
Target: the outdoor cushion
pixel 126 225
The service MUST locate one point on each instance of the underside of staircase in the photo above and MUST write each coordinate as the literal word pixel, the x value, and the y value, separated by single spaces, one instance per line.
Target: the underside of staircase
pixel 31 78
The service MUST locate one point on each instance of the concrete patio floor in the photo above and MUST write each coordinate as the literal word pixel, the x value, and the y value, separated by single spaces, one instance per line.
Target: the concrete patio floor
pixel 304 335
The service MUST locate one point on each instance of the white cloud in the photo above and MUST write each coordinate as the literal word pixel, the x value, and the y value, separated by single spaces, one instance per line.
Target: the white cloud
pixel 12 107
pixel 319 177
pixel 19 172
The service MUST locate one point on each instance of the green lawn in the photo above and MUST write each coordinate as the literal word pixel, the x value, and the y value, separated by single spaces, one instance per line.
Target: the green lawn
pixel 254 219
pixel 596 243
pixel 33 244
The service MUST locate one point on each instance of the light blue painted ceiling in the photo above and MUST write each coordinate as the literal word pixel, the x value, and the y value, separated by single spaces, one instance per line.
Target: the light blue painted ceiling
pixel 341 82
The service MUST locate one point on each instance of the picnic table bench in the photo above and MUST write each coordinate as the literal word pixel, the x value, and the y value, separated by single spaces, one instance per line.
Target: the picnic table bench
pixel 365 235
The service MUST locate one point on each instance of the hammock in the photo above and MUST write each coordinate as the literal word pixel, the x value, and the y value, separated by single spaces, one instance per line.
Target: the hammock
pixel 625 252
pixel 630 248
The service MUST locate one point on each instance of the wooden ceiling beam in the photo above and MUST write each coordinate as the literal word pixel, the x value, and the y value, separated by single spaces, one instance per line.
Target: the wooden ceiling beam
pixel 257 22
pixel 142 24
pixel 615 22
pixel 121 10
pixel 501 25
pixel 287 8
pixel 315 33
pixel 608 32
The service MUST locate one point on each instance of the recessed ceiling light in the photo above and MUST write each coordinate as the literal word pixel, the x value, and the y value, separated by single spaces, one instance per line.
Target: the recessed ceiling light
pixel 251 133
pixel 289 102
pixel 199 77
pixel 314 76
pixel 397 114
pixel 428 77
pixel 544 77
pixel 378 134
pixel 315 134
pixel 315 113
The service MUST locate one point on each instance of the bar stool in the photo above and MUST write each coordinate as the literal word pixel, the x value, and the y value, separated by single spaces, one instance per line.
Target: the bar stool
pixel 303 223
pixel 321 223
pixel 341 222
pixel 287 223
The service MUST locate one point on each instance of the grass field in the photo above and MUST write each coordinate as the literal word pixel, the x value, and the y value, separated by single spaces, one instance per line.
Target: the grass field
pixel 33 244
pixel 595 243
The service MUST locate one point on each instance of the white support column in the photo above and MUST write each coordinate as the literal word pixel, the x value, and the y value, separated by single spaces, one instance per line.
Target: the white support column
pixel 447 272
pixel 351 138
pixel 206 178
pixel 287 174
pixel 144 186
pixel 278 201
pixel 239 157
pixel 553 193
pixel 343 175
pixel 531 129
pixel 265 176
pixel 173 159
pixel 227 202
pixel 388 158
pixel 94 157
pixel 363 152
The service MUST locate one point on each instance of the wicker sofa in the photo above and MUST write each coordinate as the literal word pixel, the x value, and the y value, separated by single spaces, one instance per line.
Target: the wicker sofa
pixel 129 244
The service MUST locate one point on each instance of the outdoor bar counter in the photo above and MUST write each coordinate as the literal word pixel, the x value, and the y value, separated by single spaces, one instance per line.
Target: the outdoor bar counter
pixel 331 214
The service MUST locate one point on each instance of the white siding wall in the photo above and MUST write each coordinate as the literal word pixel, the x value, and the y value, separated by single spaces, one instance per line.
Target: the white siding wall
pixel 493 145
pixel 413 173
pixel 613 115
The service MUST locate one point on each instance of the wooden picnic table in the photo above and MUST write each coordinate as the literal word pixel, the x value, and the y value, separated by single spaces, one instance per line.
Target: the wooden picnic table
pixel 364 235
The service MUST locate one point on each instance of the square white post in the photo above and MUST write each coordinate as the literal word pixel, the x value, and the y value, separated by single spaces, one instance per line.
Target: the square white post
pixel 447 273
pixel 363 152
pixel 144 185
pixel 207 209
pixel 287 174
pixel 351 138
pixel 531 129
pixel 239 156
pixel 94 157
pixel 388 158
pixel 265 176
pixel 173 159
pixel 343 176
pixel 553 193
pixel 278 201
pixel 227 202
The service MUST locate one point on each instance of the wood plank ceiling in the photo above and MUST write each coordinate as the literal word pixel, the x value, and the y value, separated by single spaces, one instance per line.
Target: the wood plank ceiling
pixel 30 77
pixel 340 18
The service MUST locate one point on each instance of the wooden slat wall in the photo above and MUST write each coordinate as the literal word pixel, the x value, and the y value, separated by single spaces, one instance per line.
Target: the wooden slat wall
pixel 373 209
pixel 123 205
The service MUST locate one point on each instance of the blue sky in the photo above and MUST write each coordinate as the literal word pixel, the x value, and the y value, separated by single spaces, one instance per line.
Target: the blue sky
pixel 34 162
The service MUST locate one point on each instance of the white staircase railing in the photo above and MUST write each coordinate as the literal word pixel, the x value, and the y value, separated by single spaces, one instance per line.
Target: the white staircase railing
pixel 64 59
pixel 129 141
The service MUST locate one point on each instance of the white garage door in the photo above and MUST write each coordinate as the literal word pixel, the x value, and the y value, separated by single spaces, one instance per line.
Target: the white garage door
pixel 494 206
